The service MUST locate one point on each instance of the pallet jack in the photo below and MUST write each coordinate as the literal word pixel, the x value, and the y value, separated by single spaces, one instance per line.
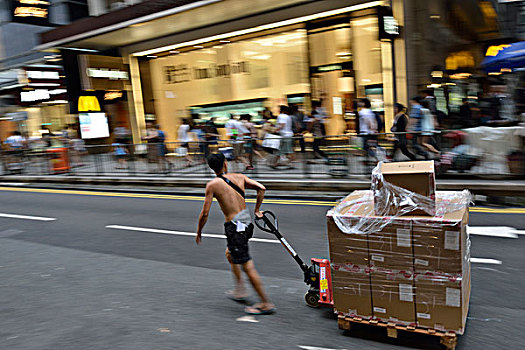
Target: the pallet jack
pixel 317 275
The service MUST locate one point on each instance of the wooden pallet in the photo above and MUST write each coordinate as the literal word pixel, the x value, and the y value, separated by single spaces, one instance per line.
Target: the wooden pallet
pixel 448 339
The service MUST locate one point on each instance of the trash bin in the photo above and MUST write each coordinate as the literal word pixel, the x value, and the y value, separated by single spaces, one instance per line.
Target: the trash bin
pixel 58 160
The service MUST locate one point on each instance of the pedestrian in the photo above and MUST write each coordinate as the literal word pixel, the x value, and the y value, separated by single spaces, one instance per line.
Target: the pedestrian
pixel 211 136
pixel 228 189
pixel 284 126
pixel 399 128
pixel 184 141
pixel 164 164
pixel 428 125
pixel 298 126
pixel 120 152
pixel 250 140
pixel 16 141
pixel 368 127
pixel 465 113
pixel 122 134
pixel 415 121
pixel 151 138
pixel 317 128
pixel 236 132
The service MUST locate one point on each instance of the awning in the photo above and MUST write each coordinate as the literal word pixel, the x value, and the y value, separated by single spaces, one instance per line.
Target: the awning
pixel 510 56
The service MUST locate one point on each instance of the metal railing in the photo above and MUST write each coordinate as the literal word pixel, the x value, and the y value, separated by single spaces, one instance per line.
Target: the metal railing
pixel 327 157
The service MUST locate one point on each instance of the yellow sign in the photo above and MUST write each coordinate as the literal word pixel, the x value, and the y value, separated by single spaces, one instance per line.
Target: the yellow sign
pixel 88 104
pixel 323 284
pixel 494 50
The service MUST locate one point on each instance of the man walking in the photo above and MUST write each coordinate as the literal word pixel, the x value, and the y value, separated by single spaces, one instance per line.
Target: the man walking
pixel 229 189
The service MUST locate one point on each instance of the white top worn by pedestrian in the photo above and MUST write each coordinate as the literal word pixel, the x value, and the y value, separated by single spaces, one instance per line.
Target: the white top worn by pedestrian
pixel 286 130
pixel 367 122
pixel 15 141
pixel 184 137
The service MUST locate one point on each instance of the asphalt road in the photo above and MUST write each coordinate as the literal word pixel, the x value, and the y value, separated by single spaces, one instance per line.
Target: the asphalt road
pixel 73 283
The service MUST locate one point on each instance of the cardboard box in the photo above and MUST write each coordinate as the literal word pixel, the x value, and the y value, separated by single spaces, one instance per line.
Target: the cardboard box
pixel 417 177
pixel 351 288
pixel 391 246
pixel 393 296
pixel 441 243
pixel 442 300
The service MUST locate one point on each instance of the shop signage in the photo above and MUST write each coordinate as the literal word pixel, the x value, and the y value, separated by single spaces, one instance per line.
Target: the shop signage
pixel 93 125
pixel 43 75
pixel 40 95
pixel 88 104
pixel 182 73
pixel 331 67
pixel 31 12
pixel 388 25
pixel 104 73
pixel 112 95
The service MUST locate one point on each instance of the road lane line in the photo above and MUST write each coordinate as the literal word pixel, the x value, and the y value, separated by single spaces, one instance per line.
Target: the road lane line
pixel 250 200
pixel 181 233
pixel 493 231
pixel 26 217
pixel 485 261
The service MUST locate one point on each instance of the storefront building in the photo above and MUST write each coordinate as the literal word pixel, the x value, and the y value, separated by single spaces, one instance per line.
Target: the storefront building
pixel 184 61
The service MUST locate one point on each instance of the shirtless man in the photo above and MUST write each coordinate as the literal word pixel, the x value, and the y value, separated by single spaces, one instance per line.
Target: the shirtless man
pixel 229 189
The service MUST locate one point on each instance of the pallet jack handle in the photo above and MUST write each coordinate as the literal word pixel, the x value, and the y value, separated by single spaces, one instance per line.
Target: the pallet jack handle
pixel 268 223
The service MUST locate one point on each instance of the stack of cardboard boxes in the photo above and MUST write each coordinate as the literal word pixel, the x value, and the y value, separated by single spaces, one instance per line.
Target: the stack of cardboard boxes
pixel 405 269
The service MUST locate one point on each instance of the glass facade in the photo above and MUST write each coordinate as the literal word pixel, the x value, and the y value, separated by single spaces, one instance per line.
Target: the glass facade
pixel 334 61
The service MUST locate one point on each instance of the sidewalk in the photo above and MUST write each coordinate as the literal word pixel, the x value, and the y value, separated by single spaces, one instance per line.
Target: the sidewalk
pixel 307 186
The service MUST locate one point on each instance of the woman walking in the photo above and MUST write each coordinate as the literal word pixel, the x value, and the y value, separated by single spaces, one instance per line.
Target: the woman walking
pixel 400 127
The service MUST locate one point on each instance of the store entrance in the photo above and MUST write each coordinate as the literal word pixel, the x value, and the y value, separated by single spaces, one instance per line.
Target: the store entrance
pixel 331 69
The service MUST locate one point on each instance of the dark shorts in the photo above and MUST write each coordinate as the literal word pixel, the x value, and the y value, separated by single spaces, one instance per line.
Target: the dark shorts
pixel 237 242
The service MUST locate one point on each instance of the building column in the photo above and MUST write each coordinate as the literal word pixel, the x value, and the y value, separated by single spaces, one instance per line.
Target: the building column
pixel 136 104
pixel 388 83
pixel 400 59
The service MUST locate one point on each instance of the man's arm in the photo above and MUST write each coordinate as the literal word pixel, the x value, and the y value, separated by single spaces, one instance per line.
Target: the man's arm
pixel 254 185
pixel 203 217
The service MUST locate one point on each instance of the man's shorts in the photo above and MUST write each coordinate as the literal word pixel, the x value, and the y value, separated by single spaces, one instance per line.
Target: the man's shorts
pixel 237 242
pixel 286 145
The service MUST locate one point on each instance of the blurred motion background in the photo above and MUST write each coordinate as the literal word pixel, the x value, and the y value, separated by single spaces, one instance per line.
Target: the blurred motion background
pixel 94 72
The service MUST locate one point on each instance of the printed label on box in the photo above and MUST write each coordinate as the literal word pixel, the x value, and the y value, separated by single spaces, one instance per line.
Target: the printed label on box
pixel 453 297
pixel 422 315
pixel 378 258
pixel 405 292
pixel 403 237
pixel 420 262
pixel 380 310
pixel 452 240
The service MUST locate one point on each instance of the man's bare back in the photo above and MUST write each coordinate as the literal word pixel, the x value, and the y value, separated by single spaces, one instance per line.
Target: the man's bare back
pixel 231 202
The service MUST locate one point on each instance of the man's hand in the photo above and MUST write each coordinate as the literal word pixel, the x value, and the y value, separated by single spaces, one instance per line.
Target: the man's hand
pixel 198 238
pixel 259 213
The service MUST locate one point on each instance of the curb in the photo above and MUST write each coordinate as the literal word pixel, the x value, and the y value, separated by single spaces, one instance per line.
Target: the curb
pixel 482 187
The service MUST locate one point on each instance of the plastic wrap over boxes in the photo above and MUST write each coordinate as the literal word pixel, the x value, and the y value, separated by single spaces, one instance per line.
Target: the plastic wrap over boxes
pixel 410 270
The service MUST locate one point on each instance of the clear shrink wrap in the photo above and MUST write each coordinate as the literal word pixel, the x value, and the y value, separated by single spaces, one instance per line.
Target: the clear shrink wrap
pixel 402 268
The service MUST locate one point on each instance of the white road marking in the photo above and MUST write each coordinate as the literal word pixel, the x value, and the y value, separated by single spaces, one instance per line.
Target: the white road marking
pixel 181 233
pixel 305 347
pixel 247 318
pixel 25 217
pixel 485 261
pixel 495 231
